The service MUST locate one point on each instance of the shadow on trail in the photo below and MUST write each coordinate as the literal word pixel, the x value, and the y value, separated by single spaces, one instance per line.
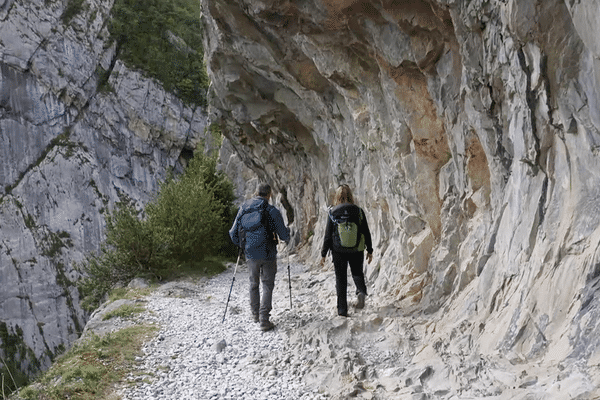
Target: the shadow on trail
pixel 359 356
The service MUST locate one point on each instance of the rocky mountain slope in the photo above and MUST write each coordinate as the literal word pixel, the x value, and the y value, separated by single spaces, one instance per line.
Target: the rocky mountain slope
pixel 469 131
pixel 71 145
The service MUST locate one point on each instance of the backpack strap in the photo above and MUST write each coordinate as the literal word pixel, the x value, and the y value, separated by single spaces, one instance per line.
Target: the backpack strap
pixel 267 222
pixel 331 216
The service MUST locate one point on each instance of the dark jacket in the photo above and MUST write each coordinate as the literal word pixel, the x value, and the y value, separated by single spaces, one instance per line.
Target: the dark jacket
pixel 363 228
pixel 258 245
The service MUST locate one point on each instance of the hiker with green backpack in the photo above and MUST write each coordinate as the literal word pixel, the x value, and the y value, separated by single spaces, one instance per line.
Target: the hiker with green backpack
pixel 347 236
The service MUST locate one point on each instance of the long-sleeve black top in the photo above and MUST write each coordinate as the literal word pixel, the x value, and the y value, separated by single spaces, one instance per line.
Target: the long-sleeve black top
pixel 363 227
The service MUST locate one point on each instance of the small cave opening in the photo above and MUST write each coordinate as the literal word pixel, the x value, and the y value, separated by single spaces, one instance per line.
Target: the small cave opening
pixel 186 155
pixel 289 211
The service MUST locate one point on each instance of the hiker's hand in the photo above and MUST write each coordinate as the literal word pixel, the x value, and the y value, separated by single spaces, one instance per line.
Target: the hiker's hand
pixel 369 258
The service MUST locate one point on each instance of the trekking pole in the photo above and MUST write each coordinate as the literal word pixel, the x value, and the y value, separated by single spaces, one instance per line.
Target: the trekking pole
pixel 232 281
pixel 289 280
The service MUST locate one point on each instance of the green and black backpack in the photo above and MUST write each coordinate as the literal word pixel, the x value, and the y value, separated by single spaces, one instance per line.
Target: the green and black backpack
pixel 347 236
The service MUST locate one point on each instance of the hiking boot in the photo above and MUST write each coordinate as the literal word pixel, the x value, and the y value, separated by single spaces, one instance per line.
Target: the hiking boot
pixel 361 301
pixel 266 326
pixel 255 318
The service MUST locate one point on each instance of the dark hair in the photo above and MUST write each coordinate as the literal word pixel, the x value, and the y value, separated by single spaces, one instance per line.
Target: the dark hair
pixel 263 190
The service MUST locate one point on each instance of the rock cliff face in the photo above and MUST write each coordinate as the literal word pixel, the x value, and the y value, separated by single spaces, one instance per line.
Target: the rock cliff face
pixel 469 130
pixel 68 152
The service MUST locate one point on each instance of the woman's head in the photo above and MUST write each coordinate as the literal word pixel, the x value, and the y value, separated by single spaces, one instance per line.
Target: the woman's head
pixel 343 194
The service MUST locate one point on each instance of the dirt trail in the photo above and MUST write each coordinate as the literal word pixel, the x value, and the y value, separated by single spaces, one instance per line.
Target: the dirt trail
pixel 380 352
pixel 359 356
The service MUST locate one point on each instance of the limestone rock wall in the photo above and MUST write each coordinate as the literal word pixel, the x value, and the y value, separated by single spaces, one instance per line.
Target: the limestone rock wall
pixel 71 146
pixel 469 130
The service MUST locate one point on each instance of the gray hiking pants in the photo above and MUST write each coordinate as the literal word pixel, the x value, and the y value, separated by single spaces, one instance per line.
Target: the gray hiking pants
pixel 262 271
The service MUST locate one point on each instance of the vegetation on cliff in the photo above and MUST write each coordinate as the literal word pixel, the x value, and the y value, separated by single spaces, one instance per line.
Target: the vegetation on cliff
pixel 163 38
pixel 92 367
pixel 186 223
pixel 14 349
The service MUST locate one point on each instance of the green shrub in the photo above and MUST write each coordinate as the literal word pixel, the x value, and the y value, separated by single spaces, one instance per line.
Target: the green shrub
pixel 186 222
pixel 163 38
pixel 14 354
pixel 73 8
pixel 192 214
pixel 92 368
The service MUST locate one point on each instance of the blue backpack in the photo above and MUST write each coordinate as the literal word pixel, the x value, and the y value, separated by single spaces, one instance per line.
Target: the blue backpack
pixel 253 219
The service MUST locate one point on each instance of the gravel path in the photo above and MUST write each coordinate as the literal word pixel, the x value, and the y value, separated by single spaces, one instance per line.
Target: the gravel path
pixel 378 353
pixel 197 356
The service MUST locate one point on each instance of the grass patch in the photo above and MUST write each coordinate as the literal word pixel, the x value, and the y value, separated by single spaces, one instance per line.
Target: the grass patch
pixel 125 311
pixel 94 367
pixel 208 267
pixel 129 294
pixel 91 368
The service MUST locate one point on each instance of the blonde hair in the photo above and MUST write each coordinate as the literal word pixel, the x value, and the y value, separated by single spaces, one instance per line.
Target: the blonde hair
pixel 343 194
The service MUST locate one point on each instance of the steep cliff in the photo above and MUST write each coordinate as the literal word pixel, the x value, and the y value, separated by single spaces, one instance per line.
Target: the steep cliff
pixel 469 130
pixel 79 131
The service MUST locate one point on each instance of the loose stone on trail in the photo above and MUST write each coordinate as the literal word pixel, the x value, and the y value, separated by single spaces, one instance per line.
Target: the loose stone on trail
pixel 220 346
pixel 205 358
pixel 313 353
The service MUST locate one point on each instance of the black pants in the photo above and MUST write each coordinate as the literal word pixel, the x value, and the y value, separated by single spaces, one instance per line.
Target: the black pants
pixel 340 263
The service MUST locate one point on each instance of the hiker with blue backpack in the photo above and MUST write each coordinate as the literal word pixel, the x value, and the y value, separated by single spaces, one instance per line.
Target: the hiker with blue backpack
pixel 347 236
pixel 256 230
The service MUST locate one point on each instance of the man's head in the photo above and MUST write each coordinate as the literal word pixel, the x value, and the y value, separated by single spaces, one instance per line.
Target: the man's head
pixel 264 190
